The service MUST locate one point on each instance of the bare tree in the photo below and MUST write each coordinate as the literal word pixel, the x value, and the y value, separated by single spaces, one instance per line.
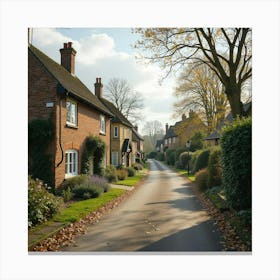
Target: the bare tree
pixel 153 129
pixel 226 51
pixel 123 96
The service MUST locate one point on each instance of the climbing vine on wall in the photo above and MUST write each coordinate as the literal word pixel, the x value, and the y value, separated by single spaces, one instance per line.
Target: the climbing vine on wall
pixel 94 152
pixel 40 134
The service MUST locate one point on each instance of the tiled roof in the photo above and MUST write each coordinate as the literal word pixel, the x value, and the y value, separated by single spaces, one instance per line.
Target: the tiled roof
pixel 213 135
pixel 118 116
pixel 136 136
pixel 69 82
pixel 170 133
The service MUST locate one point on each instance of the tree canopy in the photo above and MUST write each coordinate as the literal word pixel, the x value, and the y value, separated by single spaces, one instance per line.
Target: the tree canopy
pixel 226 51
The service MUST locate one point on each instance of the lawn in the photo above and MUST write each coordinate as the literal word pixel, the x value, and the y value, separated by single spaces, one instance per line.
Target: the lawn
pixel 185 173
pixel 81 209
pixel 130 181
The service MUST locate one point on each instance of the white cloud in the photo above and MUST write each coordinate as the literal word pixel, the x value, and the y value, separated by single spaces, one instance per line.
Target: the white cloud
pixel 97 57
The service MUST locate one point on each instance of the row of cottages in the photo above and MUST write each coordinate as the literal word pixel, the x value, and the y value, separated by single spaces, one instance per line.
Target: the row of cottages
pixel 57 94
pixel 176 135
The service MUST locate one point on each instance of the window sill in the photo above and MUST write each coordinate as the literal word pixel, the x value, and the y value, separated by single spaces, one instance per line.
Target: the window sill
pixel 102 133
pixel 71 125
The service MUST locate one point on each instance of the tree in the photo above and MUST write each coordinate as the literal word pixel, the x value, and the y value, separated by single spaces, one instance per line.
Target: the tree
pixel 125 98
pixel 201 90
pixel 226 51
pixel 153 129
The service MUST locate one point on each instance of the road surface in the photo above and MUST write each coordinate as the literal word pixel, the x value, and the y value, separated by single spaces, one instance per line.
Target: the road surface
pixel 162 215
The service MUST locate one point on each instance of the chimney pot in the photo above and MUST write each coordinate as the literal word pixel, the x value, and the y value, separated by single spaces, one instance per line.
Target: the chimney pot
pixel 98 88
pixel 166 128
pixel 68 57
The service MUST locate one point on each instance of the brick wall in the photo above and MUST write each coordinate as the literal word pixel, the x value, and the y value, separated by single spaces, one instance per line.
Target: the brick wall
pixel 42 89
pixel 73 138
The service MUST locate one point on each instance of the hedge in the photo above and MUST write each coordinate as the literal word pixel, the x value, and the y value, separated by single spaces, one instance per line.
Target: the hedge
pixel 215 168
pixel 202 160
pixel 236 143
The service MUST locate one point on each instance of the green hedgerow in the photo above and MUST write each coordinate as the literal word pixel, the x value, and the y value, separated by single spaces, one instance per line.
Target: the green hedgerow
pixel 215 168
pixel 202 160
pixel 236 144
pixel 201 178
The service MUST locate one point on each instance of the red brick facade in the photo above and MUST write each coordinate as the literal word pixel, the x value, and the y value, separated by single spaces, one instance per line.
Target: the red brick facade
pixel 45 101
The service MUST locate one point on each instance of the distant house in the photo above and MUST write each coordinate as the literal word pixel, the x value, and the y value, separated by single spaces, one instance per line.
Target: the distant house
pixel 137 145
pixel 160 145
pixel 177 134
pixel 215 136
pixel 56 93
pixel 121 131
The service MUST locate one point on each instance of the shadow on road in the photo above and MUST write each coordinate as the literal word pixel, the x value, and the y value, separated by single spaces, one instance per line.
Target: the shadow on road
pixel 189 240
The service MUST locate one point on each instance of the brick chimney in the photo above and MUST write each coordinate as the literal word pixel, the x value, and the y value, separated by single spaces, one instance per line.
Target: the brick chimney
pixel 136 128
pixel 184 117
pixel 68 57
pixel 98 88
pixel 166 128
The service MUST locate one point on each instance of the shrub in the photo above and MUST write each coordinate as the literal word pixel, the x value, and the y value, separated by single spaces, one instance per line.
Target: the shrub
pixel 184 158
pixel 201 178
pixel 42 205
pixel 71 183
pixel 152 154
pixel 130 171
pixel 202 160
pixel 122 174
pixel 215 168
pixel 178 165
pixel 170 158
pixel 67 195
pixel 178 152
pixel 237 163
pixel 160 156
pixel 197 141
pixel 193 159
pixel 86 191
pixel 99 182
pixel 137 166
pixel 110 173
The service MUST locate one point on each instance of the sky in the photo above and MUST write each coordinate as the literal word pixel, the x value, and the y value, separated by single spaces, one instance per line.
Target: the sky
pixel 108 53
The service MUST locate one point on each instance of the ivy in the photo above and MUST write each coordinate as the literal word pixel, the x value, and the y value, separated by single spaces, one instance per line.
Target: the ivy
pixel 94 151
pixel 40 135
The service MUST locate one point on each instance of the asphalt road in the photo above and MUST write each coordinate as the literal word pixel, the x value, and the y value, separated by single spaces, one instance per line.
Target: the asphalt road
pixel 162 215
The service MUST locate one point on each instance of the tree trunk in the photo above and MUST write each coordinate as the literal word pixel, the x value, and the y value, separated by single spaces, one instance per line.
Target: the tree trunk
pixel 234 97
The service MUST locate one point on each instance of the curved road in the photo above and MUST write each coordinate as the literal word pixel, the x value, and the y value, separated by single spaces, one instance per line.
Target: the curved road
pixel 162 215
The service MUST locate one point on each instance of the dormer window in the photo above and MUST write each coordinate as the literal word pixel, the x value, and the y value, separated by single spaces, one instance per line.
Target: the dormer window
pixel 71 108
pixel 102 125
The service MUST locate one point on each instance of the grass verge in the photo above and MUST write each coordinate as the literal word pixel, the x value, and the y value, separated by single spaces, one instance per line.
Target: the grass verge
pixel 185 173
pixel 81 209
pixel 130 181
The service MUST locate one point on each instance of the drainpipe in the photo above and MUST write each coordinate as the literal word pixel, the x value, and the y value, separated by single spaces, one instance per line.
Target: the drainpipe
pixel 60 144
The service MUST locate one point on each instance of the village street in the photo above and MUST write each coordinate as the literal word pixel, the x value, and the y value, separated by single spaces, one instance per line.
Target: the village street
pixel 162 215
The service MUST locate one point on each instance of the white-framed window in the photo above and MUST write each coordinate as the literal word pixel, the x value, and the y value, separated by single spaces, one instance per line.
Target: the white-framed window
pixel 102 124
pixel 115 158
pixel 165 141
pixel 71 163
pixel 169 140
pixel 174 140
pixel 116 132
pixel 71 116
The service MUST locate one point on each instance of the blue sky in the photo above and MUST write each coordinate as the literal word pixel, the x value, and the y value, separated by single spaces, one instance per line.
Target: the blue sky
pixel 108 53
